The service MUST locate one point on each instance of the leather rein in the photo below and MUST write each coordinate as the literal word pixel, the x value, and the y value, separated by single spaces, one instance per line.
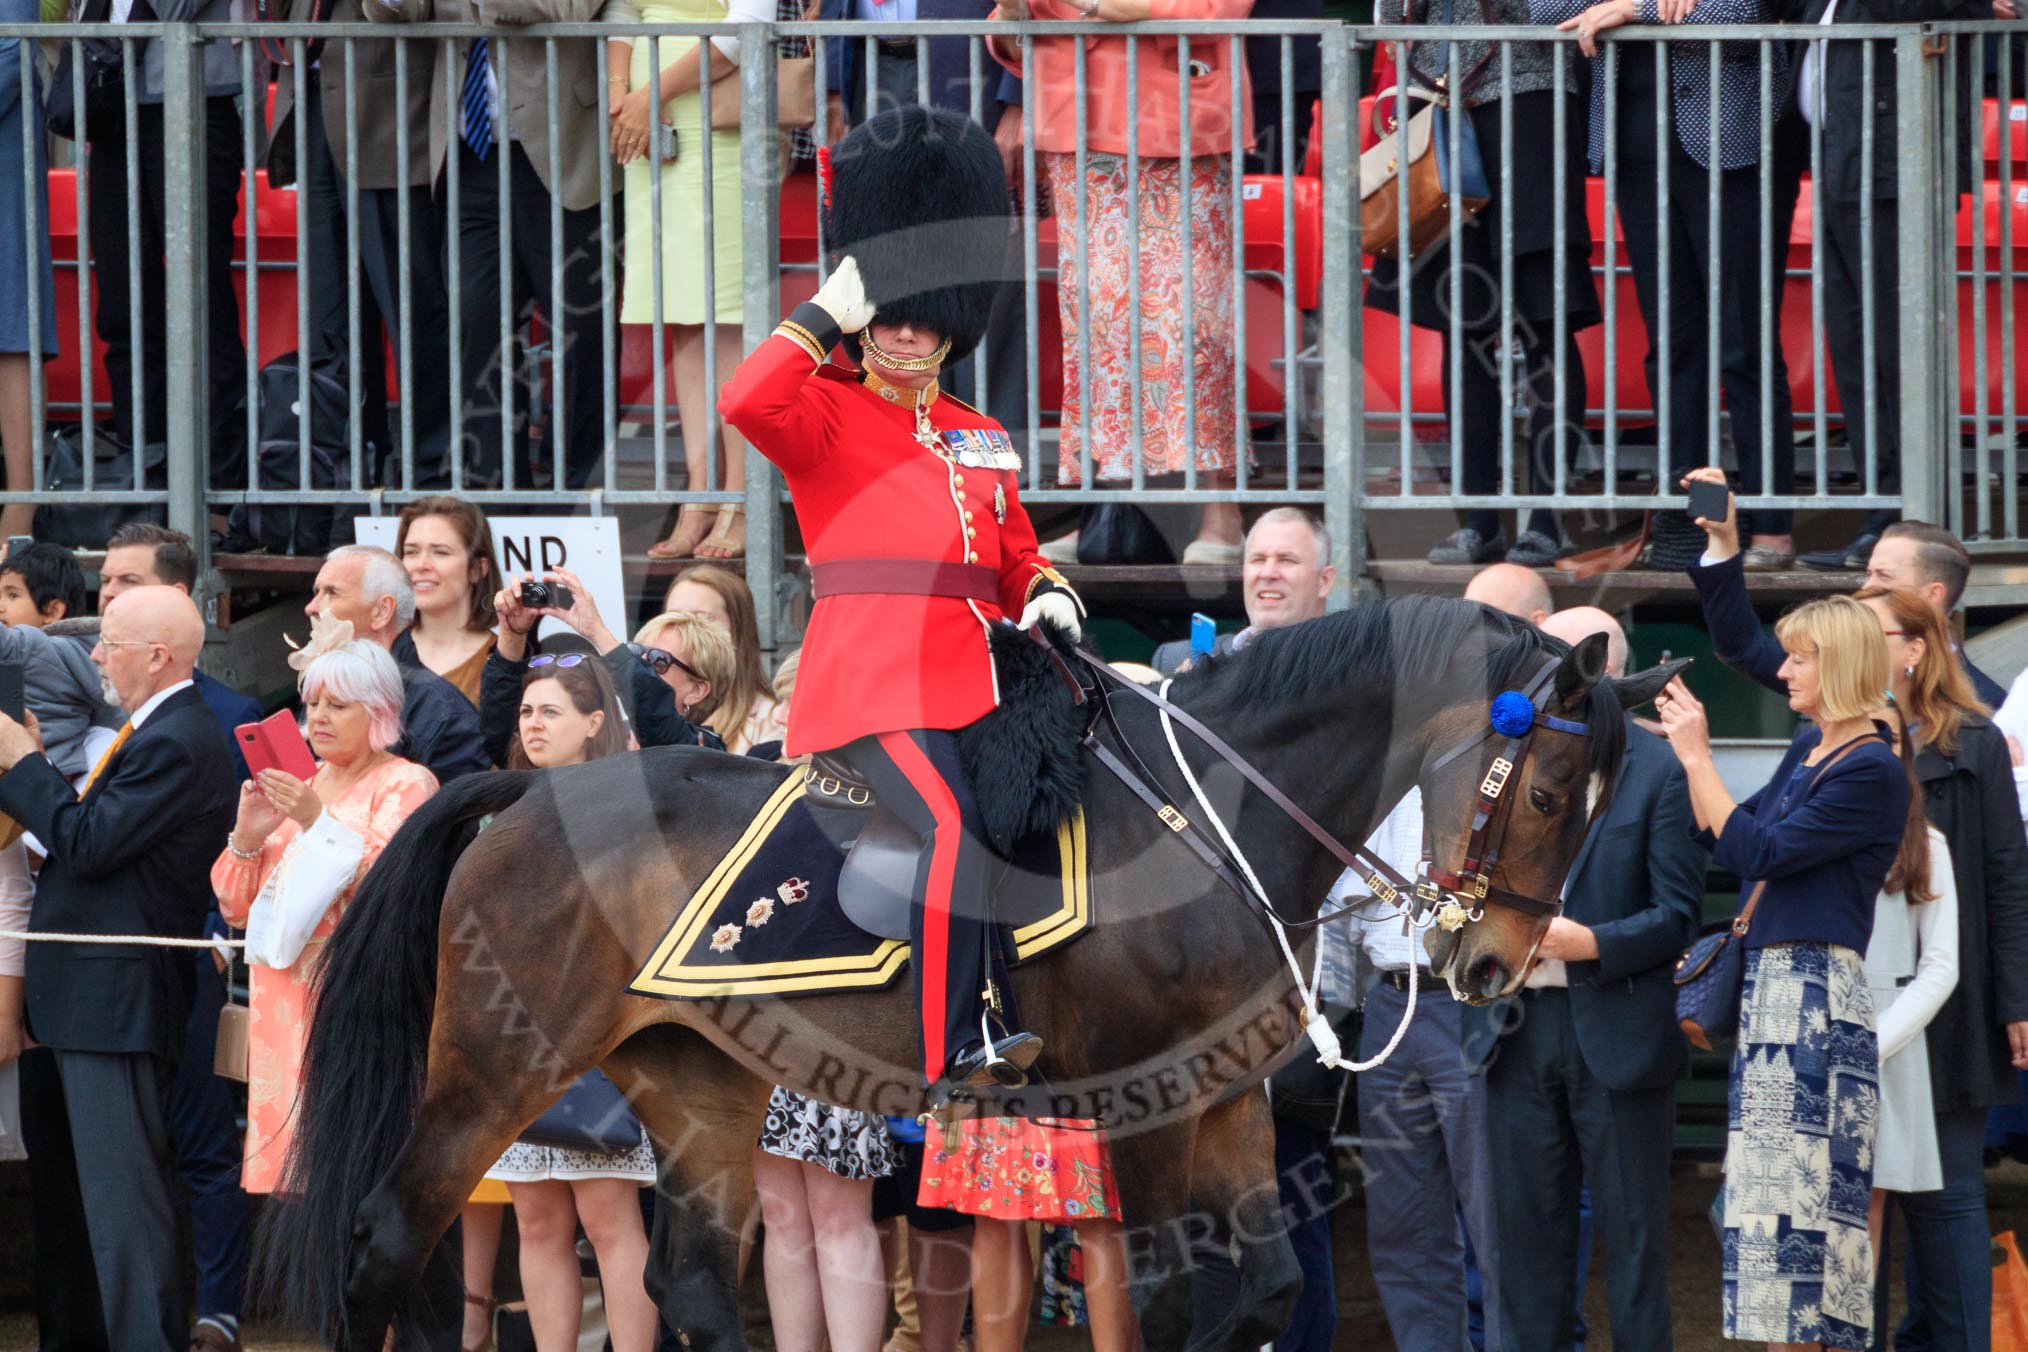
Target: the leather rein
pixel 1454 895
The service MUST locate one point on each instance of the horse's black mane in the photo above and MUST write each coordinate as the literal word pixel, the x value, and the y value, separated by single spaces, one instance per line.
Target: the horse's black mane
pixel 1408 641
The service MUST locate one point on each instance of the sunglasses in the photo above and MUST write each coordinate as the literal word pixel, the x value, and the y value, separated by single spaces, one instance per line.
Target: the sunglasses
pixel 567 660
pixel 659 661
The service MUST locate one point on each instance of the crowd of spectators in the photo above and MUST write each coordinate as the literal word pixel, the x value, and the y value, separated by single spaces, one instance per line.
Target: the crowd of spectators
pixel 1887 854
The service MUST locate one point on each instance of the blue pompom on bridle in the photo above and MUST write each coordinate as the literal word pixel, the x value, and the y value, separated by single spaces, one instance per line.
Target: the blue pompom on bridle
pixel 1512 714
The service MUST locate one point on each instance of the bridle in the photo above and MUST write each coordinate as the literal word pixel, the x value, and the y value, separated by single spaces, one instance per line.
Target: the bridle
pixel 1452 896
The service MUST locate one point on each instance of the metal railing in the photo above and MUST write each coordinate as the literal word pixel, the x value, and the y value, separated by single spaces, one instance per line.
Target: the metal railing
pixel 1320 403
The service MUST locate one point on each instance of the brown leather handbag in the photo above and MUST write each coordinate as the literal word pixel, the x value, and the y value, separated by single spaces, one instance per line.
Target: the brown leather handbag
pixel 1425 144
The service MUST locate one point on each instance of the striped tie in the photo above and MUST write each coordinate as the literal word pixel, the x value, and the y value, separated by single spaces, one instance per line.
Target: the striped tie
pixel 478 103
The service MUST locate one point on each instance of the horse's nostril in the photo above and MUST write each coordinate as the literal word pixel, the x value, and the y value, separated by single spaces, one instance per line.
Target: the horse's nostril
pixel 1489 976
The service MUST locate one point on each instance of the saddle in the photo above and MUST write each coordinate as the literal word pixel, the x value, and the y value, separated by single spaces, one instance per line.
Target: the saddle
pixel 878 877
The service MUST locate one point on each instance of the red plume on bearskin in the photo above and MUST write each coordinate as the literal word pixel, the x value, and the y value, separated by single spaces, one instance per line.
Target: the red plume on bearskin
pixel 919 197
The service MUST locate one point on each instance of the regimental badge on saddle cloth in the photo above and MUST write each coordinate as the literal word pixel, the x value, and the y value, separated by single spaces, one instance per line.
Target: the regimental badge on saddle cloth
pixel 982 448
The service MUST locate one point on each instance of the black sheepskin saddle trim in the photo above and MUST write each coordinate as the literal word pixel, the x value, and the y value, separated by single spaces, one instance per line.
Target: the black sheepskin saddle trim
pixel 1023 760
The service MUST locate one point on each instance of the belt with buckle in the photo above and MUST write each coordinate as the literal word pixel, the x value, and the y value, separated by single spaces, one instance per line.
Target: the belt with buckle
pixel 1397 977
pixel 896 46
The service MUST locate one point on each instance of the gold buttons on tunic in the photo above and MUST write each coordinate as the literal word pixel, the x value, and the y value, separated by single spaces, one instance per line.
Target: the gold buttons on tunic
pixel 957 480
pixel 972 557
pixel 969 532
pixel 961 495
pixel 968 518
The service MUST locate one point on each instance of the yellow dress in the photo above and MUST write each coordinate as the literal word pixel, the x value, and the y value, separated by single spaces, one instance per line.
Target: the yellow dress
pixel 684 299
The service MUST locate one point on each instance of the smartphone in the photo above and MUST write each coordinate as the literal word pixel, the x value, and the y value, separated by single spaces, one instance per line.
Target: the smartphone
pixel 17 545
pixel 1203 634
pixel 1708 500
pixel 11 701
pixel 276 743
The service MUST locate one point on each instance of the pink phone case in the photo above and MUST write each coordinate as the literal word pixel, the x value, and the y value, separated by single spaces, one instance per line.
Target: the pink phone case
pixel 275 743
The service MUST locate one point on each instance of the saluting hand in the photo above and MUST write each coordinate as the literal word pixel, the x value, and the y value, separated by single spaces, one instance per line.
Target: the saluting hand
pixel 843 297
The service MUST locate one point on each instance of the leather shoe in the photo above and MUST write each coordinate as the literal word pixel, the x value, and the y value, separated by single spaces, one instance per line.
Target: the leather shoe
pixel 1467 546
pixel 1853 558
pixel 1003 1066
pixel 1765 559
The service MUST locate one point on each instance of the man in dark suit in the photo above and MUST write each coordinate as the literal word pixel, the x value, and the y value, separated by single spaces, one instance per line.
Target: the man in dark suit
pixel 203 1117
pixel 130 855
pixel 369 588
pixel 1581 1067
pixel 1831 92
pixel 374 140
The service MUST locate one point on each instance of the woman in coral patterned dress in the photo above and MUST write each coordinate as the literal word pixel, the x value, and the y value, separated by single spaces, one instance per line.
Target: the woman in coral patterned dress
pixel 296 844
pixel 1185 244
pixel 1007 1171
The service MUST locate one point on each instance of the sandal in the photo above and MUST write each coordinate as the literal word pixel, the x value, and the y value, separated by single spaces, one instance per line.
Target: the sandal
pixel 687 549
pixel 489 1305
pixel 720 544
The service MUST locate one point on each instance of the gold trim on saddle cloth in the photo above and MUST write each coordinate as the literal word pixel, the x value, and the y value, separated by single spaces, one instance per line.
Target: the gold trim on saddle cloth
pixel 666 975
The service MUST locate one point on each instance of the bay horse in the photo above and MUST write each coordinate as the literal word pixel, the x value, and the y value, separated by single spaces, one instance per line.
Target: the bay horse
pixel 469 983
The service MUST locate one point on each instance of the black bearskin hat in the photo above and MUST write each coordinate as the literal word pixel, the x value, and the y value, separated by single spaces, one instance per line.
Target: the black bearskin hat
pixel 919 196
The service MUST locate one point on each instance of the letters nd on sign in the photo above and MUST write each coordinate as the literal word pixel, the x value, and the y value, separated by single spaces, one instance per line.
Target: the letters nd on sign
pixel 587 545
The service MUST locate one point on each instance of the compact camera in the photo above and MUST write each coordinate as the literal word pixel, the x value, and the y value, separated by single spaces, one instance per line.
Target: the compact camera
pixel 545 595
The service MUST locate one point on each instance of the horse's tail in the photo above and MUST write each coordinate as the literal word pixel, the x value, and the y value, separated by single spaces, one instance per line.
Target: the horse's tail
pixel 366 1052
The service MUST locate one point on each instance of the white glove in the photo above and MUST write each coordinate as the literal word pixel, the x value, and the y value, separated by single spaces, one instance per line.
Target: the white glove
pixel 1060 608
pixel 843 297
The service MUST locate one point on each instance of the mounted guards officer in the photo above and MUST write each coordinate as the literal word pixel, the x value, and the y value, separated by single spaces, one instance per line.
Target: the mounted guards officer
pixel 918 545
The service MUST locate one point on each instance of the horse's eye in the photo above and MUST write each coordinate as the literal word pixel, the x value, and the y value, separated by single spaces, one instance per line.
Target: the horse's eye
pixel 1541 801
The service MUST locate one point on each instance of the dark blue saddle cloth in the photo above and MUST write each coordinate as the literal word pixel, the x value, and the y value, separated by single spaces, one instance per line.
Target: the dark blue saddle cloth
pixel 767 918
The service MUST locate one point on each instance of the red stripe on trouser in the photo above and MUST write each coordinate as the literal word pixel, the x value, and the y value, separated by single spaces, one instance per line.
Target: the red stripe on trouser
pixel 936 907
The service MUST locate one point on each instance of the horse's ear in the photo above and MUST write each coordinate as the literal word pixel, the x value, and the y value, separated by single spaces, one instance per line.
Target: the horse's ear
pixel 1642 686
pixel 1583 669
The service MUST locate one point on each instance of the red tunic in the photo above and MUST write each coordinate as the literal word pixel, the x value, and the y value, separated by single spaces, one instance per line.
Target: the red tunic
pixel 865 488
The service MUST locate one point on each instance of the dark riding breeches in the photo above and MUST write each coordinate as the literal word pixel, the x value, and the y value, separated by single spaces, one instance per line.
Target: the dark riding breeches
pixel 915 775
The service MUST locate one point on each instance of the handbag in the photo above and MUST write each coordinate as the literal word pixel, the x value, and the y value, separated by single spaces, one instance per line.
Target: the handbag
pixel 1424 144
pixel 1712 975
pixel 232 1055
pixel 795 86
pixel 319 864
pixel 593 1117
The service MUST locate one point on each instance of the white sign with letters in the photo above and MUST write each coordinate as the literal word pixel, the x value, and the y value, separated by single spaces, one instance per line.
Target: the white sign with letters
pixel 587 545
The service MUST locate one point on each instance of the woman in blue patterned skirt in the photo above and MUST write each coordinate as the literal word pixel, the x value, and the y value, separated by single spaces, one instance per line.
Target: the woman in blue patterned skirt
pixel 1817 842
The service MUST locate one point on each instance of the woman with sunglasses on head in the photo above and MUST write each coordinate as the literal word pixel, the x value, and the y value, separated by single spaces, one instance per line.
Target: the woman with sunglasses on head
pixel 567 715
pixel 646 698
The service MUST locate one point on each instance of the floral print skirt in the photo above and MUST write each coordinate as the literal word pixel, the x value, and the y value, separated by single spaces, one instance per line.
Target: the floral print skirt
pixel 1021 1169
pixel 1174 358
pixel 1803 1110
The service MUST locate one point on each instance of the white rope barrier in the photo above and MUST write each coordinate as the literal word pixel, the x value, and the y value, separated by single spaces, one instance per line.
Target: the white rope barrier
pixel 140 940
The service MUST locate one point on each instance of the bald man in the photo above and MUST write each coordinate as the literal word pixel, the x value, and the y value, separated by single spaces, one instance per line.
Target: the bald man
pixel 1519 591
pixel 1581 1067
pixel 130 855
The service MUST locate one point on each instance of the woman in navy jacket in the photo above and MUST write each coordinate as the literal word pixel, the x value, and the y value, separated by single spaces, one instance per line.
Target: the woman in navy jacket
pixel 1837 820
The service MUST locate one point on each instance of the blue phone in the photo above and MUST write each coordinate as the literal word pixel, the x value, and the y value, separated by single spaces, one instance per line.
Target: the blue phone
pixel 1203 634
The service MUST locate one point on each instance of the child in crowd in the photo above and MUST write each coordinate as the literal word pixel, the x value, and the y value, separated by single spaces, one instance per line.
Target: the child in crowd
pixel 41 585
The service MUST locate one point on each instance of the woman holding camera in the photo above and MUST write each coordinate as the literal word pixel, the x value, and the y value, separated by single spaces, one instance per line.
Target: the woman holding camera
pixel 328 831
pixel 1812 850
pixel 568 715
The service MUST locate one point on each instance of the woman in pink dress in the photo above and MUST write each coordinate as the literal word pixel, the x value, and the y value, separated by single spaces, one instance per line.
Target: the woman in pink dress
pixel 295 855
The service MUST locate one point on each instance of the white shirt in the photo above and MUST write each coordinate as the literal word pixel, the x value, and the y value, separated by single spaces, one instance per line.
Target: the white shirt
pixel 1809 85
pixel 1398 840
pixel 154 702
